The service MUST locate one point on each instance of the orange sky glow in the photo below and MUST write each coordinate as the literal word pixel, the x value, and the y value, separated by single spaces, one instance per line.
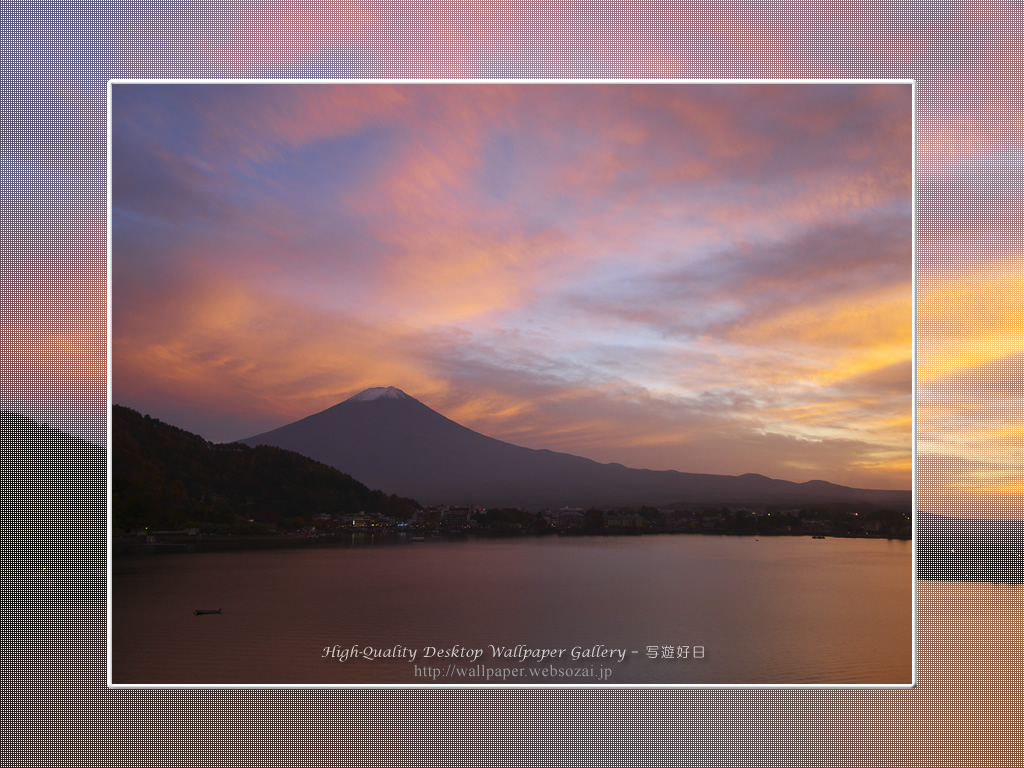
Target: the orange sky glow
pixel 708 278
pixel 549 291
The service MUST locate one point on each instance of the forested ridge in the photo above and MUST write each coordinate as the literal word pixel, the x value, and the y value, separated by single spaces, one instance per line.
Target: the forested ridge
pixel 167 478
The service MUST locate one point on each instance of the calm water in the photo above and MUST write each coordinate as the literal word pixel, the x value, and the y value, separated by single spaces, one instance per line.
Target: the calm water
pixel 773 610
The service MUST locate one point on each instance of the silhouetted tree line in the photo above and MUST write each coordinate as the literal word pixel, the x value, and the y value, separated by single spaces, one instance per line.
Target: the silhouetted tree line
pixel 511 520
pixel 165 478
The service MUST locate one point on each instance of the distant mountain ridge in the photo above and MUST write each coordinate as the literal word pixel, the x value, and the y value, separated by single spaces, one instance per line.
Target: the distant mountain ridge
pixel 391 441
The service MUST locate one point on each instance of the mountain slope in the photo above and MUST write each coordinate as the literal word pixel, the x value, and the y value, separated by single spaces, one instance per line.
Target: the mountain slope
pixel 53 505
pixel 391 441
pixel 165 477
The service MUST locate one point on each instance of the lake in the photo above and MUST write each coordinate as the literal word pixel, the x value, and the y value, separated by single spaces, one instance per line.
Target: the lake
pixel 668 609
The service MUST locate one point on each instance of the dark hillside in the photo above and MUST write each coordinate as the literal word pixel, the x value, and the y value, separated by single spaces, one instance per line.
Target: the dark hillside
pixel 165 478
pixel 53 500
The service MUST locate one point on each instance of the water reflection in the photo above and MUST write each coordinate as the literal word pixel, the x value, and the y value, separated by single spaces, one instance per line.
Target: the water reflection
pixel 783 610
pixel 965 710
pixel 961 549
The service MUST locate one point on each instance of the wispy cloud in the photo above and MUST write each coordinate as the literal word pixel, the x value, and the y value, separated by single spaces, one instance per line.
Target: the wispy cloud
pixel 644 274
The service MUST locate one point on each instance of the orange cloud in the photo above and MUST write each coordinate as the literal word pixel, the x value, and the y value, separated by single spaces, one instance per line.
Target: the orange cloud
pixel 978 309
pixel 249 352
pixel 874 326
pixel 494 264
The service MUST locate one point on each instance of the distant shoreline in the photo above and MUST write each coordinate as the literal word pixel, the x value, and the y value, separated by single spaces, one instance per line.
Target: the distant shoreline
pixel 134 545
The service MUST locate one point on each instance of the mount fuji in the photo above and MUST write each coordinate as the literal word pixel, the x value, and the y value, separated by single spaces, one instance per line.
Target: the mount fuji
pixel 393 442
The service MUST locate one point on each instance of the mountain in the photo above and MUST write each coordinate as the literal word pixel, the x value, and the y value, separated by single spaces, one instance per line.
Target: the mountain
pixel 53 508
pixel 391 441
pixel 167 478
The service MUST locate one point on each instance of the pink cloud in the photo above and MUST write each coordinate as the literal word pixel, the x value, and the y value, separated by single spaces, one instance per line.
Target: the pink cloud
pixel 428 269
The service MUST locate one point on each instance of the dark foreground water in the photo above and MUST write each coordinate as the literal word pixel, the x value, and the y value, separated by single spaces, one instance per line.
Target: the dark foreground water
pixel 541 611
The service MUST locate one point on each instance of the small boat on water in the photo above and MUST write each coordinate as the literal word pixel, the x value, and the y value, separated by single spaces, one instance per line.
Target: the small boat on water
pixel 204 611
pixel 416 538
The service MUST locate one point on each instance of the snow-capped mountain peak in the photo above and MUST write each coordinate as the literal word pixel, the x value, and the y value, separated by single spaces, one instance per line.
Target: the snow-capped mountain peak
pixel 406 448
pixel 379 393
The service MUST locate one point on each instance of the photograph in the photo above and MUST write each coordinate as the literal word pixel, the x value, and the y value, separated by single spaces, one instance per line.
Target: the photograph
pixel 492 384
pixel 530 384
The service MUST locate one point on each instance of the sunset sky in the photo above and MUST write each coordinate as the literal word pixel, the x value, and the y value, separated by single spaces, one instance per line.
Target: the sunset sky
pixel 701 277
pixel 579 322
pixel 627 278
